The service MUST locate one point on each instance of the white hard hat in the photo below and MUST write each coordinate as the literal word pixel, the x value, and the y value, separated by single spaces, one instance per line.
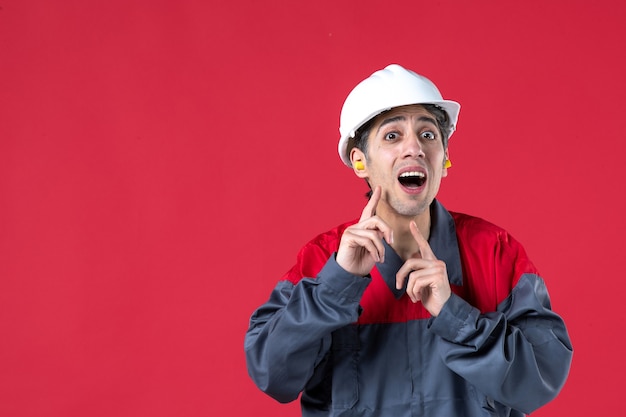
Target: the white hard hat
pixel 385 89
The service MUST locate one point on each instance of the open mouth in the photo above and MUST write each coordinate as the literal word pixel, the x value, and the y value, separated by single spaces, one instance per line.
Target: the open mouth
pixel 412 179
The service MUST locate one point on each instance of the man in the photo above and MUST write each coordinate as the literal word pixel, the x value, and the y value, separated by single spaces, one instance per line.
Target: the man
pixel 411 310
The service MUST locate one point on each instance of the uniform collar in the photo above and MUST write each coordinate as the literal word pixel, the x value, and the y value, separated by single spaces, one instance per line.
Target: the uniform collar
pixel 442 241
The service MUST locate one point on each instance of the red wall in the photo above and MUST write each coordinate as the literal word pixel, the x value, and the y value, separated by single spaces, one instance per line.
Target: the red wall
pixel 161 163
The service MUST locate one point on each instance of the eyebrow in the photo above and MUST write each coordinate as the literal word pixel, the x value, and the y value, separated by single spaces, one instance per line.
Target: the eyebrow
pixel 403 118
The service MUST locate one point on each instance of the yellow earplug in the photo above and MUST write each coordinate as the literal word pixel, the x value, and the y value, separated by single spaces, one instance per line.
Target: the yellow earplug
pixel 447 164
pixel 359 166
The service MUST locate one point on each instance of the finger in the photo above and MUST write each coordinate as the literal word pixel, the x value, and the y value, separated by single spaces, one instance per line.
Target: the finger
pixel 363 241
pixel 415 285
pixel 414 268
pixel 371 240
pixel 413 290
pixel 420 284
pixel 376 223
pixel 425 251
pixel 370 208
pixel 418 291
pixel 402 276
pixel 404 272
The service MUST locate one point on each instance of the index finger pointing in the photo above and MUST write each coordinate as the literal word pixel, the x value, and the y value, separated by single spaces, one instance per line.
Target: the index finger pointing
pixel 370 208
pixel 425 251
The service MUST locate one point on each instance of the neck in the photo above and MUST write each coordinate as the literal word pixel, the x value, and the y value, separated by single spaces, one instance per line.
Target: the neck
pixel 403 241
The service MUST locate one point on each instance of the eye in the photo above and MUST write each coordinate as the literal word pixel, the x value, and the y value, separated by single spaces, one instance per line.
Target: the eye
pixel 428 135
pixel 391 136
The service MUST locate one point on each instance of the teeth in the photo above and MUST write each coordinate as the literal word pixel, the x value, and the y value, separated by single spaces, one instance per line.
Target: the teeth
pixel 412 174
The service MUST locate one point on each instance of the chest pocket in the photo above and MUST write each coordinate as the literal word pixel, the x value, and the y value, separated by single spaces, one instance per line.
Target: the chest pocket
pixel 345 356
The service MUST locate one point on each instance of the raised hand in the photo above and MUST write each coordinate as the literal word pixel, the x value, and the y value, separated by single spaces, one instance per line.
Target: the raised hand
pixel 427 275
pixel 361 244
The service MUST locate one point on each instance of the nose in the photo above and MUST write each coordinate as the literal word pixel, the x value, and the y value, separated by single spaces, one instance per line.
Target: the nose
pixel 413 147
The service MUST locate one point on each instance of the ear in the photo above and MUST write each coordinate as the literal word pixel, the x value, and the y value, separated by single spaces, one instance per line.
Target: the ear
pixel 446 158
pixel 359 163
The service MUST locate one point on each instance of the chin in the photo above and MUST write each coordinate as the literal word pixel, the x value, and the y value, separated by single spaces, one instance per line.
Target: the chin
pixel 412 210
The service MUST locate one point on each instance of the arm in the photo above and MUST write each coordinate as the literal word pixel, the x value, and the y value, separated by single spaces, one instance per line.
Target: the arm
pixel 518 355
pixel 291 333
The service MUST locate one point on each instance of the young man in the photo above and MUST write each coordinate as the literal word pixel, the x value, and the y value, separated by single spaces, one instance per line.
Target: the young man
pixel 411 310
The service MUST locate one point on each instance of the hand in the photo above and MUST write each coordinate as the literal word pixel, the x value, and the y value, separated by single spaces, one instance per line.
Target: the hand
pixel 427 275
pixel 361 244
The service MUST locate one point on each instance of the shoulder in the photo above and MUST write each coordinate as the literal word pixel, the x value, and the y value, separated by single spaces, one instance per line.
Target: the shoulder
pixel 315 253
pixel 330 239
pixel 477 236
pixel 475 228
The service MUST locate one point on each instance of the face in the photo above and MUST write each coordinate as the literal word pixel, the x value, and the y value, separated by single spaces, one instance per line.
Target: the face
pixel 405 156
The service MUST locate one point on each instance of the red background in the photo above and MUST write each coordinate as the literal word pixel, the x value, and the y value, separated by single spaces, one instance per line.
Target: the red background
pixel 161 163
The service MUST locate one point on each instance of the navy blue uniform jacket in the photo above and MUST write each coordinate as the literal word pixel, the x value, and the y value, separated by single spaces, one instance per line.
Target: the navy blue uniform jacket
pixel 354 346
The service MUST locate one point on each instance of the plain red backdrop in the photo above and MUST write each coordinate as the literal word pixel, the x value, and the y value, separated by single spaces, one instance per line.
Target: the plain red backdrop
pixel 161 163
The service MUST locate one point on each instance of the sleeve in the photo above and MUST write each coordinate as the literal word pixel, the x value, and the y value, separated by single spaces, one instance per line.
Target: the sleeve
pixel 290 334
pixel 519 355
